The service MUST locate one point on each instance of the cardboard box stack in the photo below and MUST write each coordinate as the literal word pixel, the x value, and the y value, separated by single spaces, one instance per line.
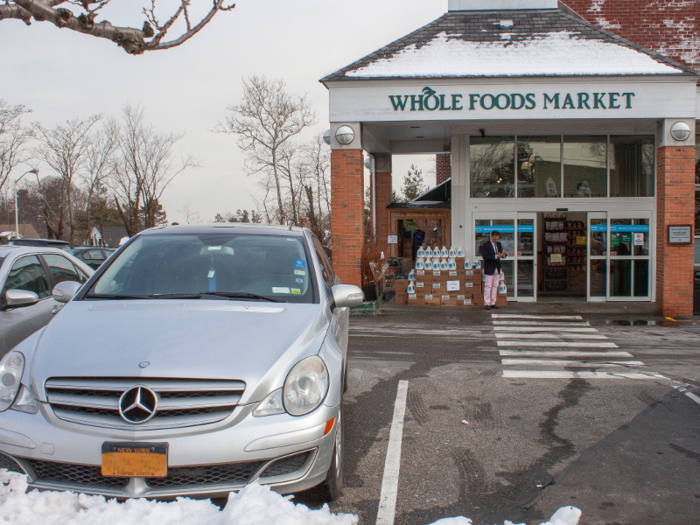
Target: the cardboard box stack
pixel 455 283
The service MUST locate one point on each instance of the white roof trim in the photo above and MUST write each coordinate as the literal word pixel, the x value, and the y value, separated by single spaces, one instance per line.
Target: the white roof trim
pixel 500 5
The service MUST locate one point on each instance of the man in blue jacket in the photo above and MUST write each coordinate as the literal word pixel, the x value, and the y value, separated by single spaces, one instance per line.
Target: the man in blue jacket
pixel 492 253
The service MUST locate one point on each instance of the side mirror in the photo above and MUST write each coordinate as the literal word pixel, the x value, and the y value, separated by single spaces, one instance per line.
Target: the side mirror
pixel 346 295
pixel 65 291
pixel 18 298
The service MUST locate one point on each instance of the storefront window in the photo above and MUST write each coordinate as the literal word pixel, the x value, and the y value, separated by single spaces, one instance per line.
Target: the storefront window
pixel 585 166
pixel 492 167
pixel 539 166
pixel 631 166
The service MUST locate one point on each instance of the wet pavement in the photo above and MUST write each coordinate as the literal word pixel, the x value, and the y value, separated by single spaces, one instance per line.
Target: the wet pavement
pixel 510 418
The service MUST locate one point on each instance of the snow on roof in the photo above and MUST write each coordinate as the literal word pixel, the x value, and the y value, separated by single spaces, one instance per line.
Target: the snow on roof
pixel 559 53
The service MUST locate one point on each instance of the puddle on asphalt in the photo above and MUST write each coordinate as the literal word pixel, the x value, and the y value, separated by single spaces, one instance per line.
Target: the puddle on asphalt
pixel 642 322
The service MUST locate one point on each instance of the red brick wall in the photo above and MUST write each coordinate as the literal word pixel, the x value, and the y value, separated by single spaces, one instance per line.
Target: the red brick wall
pixel 383 200
pixel 347 203
pixel 443 167
pixel 675 206
pixel 670 27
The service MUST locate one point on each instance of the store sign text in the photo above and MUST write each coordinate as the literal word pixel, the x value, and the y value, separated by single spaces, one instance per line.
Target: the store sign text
pixel 431 100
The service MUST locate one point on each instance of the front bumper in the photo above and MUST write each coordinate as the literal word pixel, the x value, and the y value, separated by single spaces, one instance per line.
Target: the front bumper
pixel 287 453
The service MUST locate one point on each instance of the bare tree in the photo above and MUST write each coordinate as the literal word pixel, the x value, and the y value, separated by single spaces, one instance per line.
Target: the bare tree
pixel 13 138
pixel 98 165
pixel 65 149
pixel 143 170
pixel 191 216
pixel 81 15
pixel 267 119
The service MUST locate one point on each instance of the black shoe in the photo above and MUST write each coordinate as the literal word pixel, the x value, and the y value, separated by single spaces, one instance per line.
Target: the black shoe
pixel 488 307
pixel 495 307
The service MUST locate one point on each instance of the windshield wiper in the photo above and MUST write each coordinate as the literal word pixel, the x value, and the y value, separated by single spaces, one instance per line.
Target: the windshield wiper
pixel 240 295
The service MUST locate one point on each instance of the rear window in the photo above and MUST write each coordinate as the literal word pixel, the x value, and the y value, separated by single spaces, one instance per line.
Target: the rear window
pixel 155 266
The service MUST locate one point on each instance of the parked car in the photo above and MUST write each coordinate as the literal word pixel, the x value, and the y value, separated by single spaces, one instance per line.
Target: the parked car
pixel 92 256
pixel 27 276
pixel 48 243
pixel 196 360
pixel 696 276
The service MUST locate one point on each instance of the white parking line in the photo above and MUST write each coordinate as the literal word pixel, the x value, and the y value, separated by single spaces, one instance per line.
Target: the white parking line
pixel 557 344
pixel 522 316
pixel 570 363
pixel 550 324
pixel 390 482
pixel 515 335
pixel 541 374
pixel 564 353
pixel 693 397
pixel 542 329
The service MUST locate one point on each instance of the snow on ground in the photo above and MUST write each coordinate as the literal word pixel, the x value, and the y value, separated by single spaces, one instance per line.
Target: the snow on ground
pixel 254 505
pixel 552 54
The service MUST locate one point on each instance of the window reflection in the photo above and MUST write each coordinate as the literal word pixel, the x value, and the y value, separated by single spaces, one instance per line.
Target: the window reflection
pixel 492 167
pixel 631 166
pixel 585 167
pixel 539 166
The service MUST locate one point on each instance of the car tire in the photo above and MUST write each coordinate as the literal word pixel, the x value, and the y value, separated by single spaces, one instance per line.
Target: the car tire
pixel 332 487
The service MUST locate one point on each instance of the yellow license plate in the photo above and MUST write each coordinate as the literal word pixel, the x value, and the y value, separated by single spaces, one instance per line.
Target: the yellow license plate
pixel 135 460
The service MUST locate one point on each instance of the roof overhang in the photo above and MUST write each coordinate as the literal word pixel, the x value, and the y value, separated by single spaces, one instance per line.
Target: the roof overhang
pixel 500 5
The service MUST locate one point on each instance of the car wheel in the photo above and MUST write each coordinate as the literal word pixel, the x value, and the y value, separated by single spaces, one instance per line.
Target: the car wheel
pixel 332 486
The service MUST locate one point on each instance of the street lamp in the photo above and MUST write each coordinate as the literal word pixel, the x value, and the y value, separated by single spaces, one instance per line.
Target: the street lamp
pixel 35 172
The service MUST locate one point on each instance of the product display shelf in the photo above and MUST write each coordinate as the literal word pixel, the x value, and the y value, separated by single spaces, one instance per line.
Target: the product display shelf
pixel 555 243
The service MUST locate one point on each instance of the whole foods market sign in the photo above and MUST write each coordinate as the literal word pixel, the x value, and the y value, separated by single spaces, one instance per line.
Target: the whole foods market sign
pixel 430 100
pixel 576 98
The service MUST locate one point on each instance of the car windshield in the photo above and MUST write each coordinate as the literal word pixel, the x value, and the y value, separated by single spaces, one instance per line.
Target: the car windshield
pixel 243 266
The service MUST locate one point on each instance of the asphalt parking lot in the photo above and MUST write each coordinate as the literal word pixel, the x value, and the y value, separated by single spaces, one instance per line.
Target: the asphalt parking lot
pixel 512 417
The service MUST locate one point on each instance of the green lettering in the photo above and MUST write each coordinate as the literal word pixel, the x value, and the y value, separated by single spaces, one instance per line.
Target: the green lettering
pixel 416 100
pixel 583 100
pixel 493 101
pixel 628 96
pixel 598 101
pixel 531 103
pixel 398 103
pixel 498 101
pixel 433 98
pixel 613 100
pixel 442 104
pixel 455 102
pixel 554 100
pixel 568 102
pixel 473 99
pixel 520 101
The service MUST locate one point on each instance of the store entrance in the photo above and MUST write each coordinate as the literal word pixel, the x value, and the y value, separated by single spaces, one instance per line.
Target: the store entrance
pixel 563 259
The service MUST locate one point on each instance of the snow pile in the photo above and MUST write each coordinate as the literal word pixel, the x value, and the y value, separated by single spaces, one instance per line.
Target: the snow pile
pixel 551 54
pixel 564 516
pixel 254 505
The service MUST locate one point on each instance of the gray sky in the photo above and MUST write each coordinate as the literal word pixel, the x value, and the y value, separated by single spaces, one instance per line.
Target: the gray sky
pixel 60 74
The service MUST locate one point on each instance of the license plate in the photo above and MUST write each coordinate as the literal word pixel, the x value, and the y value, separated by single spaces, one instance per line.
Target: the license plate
pixel 135 460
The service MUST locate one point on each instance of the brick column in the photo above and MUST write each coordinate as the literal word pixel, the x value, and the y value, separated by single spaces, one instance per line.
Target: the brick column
pixel 347 210
pixel 675 206
pixel 383 196
pixel 443 167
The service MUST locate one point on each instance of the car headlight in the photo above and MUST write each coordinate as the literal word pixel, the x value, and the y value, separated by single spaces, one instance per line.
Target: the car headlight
pixel 11 369
pixel 271 405
pixel 306 386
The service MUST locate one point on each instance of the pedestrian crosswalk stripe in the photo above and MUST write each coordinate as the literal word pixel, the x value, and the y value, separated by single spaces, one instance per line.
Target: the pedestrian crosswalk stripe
pixel 570 363
pixel 522 316
pixel 563 353
pixel 551 324
pixel 557 344
pixel 567 374
pixel 546 335
pixel 544 329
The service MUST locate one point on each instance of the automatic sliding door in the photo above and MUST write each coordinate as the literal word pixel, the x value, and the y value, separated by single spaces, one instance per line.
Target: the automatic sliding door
pixel 597 256
pixel 525 258
pixel 630 258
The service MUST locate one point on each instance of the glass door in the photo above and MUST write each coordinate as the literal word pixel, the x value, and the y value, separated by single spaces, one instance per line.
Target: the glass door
pixel 630 257
pixel 597 258
pixel 518 240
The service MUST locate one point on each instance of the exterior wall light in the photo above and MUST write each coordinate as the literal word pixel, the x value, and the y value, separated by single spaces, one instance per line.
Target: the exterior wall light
pixel 680 131
pixel 344 135
pixel 327 137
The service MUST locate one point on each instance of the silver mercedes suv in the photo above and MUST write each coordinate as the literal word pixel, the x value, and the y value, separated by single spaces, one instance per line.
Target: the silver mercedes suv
pixel 197 360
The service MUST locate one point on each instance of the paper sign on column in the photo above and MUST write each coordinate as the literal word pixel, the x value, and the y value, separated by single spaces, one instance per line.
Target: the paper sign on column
pixel 452 286
pixel 393 239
